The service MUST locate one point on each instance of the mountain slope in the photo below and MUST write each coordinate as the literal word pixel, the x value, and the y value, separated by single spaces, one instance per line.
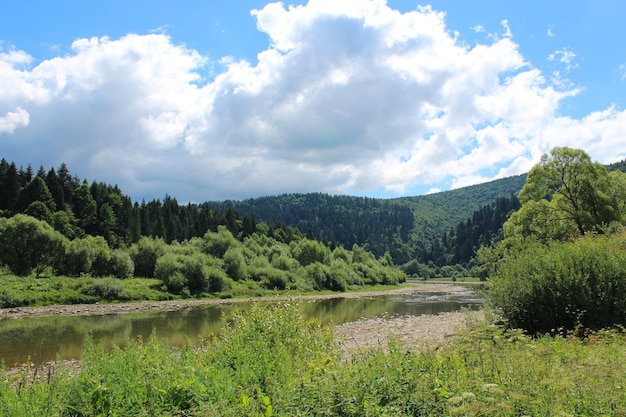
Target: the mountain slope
pixel 403 226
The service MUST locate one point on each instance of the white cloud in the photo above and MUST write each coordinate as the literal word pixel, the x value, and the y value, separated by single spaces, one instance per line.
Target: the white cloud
pixel 13 120
pixel 564 56
pixel 478 28
pixel 351 96
pixel 507 28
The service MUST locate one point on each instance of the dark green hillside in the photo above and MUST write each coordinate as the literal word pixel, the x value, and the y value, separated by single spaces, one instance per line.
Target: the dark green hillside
pixel 436 213
pixel 375 223
pixel 405 227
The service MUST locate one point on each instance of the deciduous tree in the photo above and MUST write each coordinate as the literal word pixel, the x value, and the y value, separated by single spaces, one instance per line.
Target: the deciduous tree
pixel 567 195
pixel 28 244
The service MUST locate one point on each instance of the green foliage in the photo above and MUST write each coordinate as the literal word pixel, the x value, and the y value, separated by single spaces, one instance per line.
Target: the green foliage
pixel 79 258
pixel 206 252
pixel 101 264
pixel 559 287
pixel 65 222
pixel 28 244
pixel 121 265
pixel 540 283
pixel 217 243
pixel 105 289
pixel 270 361
pixel 145 254
pixel 308 251
pixel 404 227
pixel 235 264
pixel 30 291
pixel 168 269
pixel 322 277
pixel 568 195
pixel 275 279
pixel 190 274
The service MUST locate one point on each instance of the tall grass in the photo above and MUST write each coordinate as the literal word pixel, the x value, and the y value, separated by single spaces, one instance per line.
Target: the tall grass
pixel 269 361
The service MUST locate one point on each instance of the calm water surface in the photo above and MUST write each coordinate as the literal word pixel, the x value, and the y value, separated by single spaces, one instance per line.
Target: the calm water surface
pixel 48 338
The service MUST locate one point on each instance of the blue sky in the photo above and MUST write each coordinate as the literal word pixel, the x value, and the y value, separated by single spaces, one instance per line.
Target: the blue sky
pixel 213 100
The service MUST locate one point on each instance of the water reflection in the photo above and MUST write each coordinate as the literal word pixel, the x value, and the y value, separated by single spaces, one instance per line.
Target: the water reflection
pixel 48 338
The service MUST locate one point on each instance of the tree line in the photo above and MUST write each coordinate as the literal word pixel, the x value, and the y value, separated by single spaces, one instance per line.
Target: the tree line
pixel 54 224
pixel 406 228
pixel 77 209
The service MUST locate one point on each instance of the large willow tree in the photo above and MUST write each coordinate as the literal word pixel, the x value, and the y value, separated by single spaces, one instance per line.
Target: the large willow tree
pixel 567 195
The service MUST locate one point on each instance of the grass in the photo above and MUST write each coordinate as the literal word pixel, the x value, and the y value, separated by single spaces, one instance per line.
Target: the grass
pixel 31 291
pixel 271 362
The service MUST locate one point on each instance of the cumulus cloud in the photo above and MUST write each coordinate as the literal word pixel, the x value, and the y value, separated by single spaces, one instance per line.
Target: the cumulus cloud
pixel 349 96
pixel 13 120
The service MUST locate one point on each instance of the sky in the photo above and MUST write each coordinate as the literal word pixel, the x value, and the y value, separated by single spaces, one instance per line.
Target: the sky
pixel 204 100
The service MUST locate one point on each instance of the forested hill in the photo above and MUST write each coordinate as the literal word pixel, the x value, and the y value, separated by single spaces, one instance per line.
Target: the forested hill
pixel 436 213
pixel 406 227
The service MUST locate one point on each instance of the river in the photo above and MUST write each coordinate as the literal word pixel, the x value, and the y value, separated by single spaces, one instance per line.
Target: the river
pixel 45 338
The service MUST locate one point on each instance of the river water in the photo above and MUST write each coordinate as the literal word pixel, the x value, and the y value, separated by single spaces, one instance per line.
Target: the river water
pixel 41 339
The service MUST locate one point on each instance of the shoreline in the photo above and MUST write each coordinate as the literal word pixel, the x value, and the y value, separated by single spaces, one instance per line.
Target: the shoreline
pixel 173 305
pixel 355 338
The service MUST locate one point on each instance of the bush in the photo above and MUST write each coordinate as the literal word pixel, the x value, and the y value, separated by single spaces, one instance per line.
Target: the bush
pixel 106 289
pixel 308 252
pixel 121 265
pixel 101 264
pixel 275 279
pixel 217 243
pixel 559 286
pixel 28 244
pixel 168 269
pixel 145 254
pixel 217 281
pixel 322 278
pixel 285 263
pixel 194 268
pixel 79 257
pixel 235 264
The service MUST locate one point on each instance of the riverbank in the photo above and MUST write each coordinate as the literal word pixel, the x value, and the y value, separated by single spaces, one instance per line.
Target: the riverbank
pixel 172 305
pixel 412 332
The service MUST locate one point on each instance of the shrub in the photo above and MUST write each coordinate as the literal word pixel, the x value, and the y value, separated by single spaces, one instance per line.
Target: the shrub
pixel 275 279
pixel 310 251
pixel 194 268
pixel 235 264
pixel 559 286
pixel 100 266
pixel 121 265
pixel 106 289
pixel 168 269
pixel 28 244
pixel 145 254
pixel 79 257
pixel 285 263
pixel 217 281
pixel 322 278
pixel 217 243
